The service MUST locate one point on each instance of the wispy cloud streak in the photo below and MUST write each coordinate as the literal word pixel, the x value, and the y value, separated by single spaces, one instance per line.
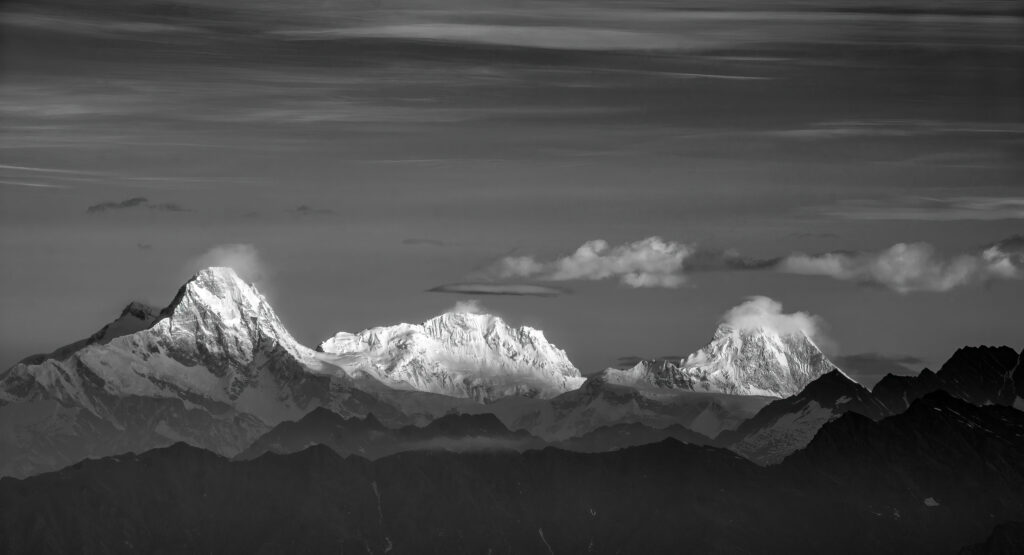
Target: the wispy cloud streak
pixel 933 209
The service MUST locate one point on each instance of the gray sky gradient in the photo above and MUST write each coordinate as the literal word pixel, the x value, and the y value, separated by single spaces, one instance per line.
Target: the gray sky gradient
pixel 369 153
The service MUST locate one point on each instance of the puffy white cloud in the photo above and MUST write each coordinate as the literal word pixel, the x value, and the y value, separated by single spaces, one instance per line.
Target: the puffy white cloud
pixel 909 267
pixel 651 262
pixel 244 259
pixel 654 262
pixel 1005 258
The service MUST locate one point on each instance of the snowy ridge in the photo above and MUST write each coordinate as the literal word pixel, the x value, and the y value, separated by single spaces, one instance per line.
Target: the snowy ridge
pixel 749 361
pixel 458 354
pixel 135 317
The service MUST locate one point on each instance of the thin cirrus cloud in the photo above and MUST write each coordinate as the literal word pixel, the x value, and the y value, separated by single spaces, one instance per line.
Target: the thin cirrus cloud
pixel 534 36
pixel 895 128
pixel 506 289
pixel 933 209
pixel 912 267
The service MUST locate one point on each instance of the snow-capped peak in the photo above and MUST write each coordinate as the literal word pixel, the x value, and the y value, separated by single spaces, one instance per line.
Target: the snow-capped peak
pixel 459 354
pixel 738 360
pixel 218 290
pixel 217 304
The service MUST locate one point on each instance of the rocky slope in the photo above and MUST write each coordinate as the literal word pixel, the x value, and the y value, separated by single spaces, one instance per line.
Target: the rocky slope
pixel 787 425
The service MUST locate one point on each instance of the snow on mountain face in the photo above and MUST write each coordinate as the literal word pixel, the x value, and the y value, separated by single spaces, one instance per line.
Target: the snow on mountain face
pixel 747 361
pixel 226 321
pixel 216 368
pixel 218 341
pixel 458 354
pixel 789 424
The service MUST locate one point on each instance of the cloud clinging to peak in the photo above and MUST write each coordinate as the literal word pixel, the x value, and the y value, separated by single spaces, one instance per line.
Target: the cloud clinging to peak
pixel 244 259
pixel 469 306
pixel 764 312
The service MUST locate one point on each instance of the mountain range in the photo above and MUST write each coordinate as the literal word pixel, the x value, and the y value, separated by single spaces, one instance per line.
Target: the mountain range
pixel 977 375
pixel 205 426
pixel 218 369
pixel 369 438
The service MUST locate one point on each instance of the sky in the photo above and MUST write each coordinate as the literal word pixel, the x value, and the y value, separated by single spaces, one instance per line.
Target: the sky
pixel 625 174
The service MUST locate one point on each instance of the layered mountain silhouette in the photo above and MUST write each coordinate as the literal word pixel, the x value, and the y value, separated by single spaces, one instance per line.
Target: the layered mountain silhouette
pixel 598 403
pixel 979 375
pixel 941 476
pixel 206 427
pixel 620 436
pixel 927 468
pixel 369 438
